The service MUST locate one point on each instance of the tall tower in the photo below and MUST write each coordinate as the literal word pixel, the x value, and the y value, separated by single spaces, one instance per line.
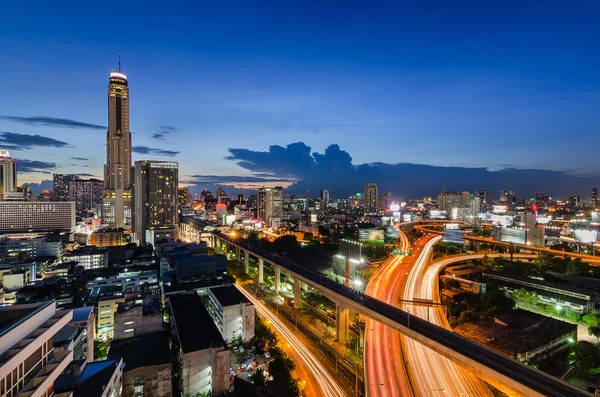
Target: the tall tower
pixel 371 198
pixel 116 206
pixel 269 205
pixel 8 175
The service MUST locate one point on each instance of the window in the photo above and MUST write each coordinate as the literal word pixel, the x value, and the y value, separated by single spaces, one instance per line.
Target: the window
pixel 128 330
pixel 129 322
pixel 138 389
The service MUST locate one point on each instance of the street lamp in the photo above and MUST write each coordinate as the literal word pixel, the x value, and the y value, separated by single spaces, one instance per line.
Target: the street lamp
pixel 558 308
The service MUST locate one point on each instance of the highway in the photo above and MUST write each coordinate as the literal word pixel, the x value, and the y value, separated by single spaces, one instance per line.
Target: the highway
pixel 325 380
pixel 494 367
pixel 384 368
pixel 430 372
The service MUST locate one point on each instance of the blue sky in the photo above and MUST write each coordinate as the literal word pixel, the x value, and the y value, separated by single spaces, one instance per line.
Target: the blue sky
pixel 512 85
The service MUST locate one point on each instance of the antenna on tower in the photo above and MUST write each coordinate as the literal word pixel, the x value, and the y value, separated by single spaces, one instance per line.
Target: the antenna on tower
pixel 119 64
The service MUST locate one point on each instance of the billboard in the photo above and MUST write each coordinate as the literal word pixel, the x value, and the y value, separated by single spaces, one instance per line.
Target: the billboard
pixel 503 220
pixel 371 235
pixel 406 217
pixel 434 214
pixel 512 235
pixel 452 226
pixel 595 217
pixel 391 233
pixel 586 236
pixel 454 236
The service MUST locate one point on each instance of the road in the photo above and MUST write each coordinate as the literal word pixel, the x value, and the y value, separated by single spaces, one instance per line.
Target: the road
pixel 384 367
pixel 323 380
pixel 430 373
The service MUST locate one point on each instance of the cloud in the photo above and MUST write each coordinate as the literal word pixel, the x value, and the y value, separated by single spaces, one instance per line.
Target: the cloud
pixel 79 158
pixel 52 122
pixel 84 174
pixel 16 141
pixel 231 179
pixel 28 166
pixel 334 170
pixel 165 130
pixel 158 152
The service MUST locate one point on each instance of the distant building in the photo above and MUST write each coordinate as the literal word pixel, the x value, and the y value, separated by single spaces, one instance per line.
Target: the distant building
pixel 137 319
pixel 86 193
pixel 30 364
pixel 449 199
pixel 107 306
pixel 269 208
pixel 232 312
pixel 384 201
pixel 31 215
pixel 371 198
pixel 324 199
pixel 148 370
pixel 60 186
pixel 183 196
pixel 595 197
pixel 107 238
pixel 30 245
pixel 8 174
pixel 154 196
pixel 204 359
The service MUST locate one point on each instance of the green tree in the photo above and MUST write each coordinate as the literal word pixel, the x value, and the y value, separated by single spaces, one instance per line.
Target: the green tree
pixel 263 332
pixel 259 377
pixel 487 262
pixel 587 358
pixel 468 316
pixel 594 330
pixel 451 283
pixel 576 267
pixel 525 297
pixel 591 320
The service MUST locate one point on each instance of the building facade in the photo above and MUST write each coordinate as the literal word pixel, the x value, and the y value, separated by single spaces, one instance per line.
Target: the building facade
pixel 86 193
pixel 60 186
pixel 29 215
pixel 155 197
pixel 371 198
pixel 232 312
pixel 116 205
pixel 8 175
pixel 269 206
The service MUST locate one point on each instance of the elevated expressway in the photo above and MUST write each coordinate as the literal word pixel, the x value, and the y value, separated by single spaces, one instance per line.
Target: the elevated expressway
pixel 500 371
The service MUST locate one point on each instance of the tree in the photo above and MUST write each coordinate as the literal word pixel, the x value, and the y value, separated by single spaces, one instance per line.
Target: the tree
pixel 594 330
pixel 487 262
pixel 591 320
pixel 467 316
pixel 263 332
pixel 576 267
pixel 451 283
pixel 259 377
pixel 524 297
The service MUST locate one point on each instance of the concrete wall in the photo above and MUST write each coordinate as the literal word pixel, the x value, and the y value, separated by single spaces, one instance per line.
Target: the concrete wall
pixel 155 381
pixel 205 371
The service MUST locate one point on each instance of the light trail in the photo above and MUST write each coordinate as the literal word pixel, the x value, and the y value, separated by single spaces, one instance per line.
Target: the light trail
pixel 430 372
pixel 325 380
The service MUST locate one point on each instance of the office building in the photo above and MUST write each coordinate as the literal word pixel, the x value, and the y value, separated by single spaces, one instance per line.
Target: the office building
pixel 8 175
pixel 30 364
pixel 30 245
pixel 595 197
pixel 116 205
pixel 88 257
pixel 203 356
pixel 449 199
pixel 60 186
pixel 107 238
pixel 155 197
pixel 232 312
pixel 86 193
pixel 371 198
pixel 134 319
pixel 107 307
pixel 183 196
pixel 31 215
pixel 385 200
pixel 269 206
pixel 324 199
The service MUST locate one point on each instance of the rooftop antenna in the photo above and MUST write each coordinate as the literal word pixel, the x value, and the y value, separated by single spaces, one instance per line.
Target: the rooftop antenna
pixel 119 64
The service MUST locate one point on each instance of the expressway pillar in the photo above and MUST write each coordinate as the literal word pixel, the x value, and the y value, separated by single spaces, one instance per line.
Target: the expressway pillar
pixel 213 241
pixel 297 294
pixel 341 323
pixel 238 255
pixel 261 269
pixel 277 279
pixel 246 261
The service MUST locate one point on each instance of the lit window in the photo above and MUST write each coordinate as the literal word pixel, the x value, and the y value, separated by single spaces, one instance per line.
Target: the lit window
pixel 128 330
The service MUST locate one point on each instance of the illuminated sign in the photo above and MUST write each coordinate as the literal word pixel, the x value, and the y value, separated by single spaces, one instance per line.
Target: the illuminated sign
pixel 586 236
pixel 371 235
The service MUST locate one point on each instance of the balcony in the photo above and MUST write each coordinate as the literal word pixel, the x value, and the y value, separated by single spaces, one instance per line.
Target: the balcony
pixel 46 376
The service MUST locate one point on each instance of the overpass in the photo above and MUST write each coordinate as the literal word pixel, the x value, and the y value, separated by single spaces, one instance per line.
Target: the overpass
pixel 500 371
pixel 593 260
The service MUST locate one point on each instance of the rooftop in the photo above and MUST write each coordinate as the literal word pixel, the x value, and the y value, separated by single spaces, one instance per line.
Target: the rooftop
pixel 11 316
pixel 142 351
pixel 195 326
pixel 82 314
pixel 228 295
pixel 91 382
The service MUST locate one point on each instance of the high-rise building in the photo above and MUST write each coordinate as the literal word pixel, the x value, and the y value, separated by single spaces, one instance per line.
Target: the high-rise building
pixel 324 199
pixel 116 206
pixel 269 205
pixel 86 193
pixel 60 186
pixel 221 192
pixel 8 175
pixel 183 196
pixel 33 215
pixel 449 199
pixel 371 198
pixel 154 196
pixel 595 197
pixel 385 200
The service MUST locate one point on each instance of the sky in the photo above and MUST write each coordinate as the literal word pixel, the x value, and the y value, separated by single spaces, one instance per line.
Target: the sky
pixel 312 95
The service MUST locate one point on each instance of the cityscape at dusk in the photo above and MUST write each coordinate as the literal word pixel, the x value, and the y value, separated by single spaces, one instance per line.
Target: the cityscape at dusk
pixel 299 200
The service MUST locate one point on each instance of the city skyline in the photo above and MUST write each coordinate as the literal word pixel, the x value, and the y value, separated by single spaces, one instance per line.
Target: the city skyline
pixel 399 97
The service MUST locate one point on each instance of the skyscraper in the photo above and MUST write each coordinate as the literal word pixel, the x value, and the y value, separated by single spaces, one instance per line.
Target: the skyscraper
pixel 154 196
pixel 8 175
pixel 324 199
pixel 116 206
pixel 87 193
pixel 269 206
pixel 60 186
pixel 595 197
pixel 371 198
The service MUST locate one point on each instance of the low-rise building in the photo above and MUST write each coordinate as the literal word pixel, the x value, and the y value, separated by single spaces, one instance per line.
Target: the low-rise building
pixel 232 312
pixel 137 319
pixel 98 379
pixel 85 318
pixel 204 359
pixel 29 364
pixel 71 338
pixel 125 280
pixel 88 257
pixel 107 306
pixel 148 365
pixel 107 238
